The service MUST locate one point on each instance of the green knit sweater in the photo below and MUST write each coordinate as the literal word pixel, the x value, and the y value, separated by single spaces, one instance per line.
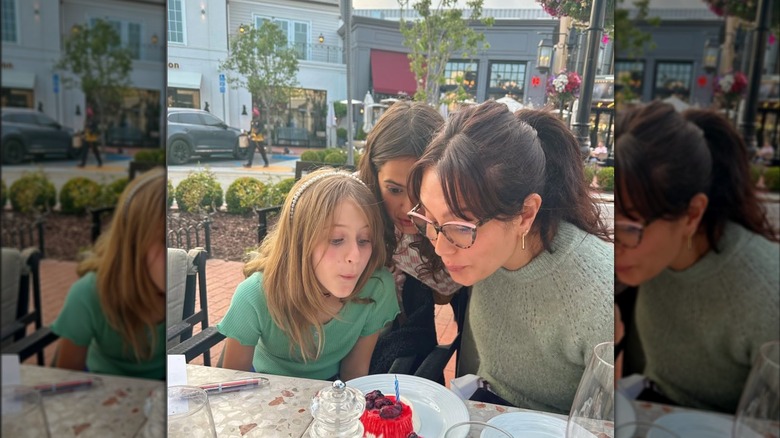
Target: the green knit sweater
pixel 533 330
pixel 701 328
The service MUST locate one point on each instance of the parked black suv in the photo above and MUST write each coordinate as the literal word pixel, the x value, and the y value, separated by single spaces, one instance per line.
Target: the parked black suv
pixel 28 132
pixel 198 132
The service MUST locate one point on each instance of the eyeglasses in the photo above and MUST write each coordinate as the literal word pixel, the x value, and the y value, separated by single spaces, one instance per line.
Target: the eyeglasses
pixel 460 234
pixel 628 233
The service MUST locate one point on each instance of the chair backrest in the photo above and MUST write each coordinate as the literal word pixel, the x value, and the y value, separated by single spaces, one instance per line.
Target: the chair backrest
pixel 186 281
pixel 11 278
pixel 20 280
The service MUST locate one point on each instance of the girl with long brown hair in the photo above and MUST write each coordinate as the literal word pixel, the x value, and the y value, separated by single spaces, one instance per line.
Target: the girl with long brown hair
pixel 397 140
pixel 113 319
pixel 316 295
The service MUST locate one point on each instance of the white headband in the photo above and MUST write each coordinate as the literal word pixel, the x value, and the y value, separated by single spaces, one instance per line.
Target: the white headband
pixel 315 179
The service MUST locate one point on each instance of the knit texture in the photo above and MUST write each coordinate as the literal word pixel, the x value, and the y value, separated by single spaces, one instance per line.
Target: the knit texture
pixel 701 328
pixel 533 330
pixel 249 322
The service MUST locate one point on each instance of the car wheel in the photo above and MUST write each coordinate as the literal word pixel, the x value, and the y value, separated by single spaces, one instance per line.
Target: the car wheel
pixel 13 152
pixel 179 152
pixel 240 153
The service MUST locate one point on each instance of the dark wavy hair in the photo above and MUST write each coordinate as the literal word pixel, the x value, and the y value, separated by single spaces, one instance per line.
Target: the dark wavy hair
pixel 403 131
pixel 664 158
pixel 489 160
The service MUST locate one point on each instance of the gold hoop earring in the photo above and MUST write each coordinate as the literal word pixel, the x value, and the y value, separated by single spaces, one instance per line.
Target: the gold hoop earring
pixel 523 241
pixel 690 241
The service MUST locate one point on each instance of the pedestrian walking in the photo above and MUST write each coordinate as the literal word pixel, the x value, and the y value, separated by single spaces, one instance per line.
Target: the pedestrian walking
pixel 91 138
pixel 256 139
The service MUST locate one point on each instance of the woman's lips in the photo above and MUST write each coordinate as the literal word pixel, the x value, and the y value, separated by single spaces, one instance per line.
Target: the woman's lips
pixel 454 268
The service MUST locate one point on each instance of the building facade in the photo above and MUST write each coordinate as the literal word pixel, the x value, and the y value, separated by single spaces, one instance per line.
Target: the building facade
pixel 32 38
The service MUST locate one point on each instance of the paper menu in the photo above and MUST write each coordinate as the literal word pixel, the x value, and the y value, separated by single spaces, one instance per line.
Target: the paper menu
pixel 12 373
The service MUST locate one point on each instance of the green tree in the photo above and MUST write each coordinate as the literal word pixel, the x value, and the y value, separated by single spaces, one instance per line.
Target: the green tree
pixel 262 62
pixel 99 66
pixel 438 34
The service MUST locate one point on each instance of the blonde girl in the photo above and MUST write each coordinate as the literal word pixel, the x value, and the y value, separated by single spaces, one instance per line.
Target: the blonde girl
pixel 316 295
pixel 113 319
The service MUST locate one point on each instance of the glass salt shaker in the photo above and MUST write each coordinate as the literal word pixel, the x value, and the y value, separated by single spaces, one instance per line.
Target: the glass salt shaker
pixel 336 411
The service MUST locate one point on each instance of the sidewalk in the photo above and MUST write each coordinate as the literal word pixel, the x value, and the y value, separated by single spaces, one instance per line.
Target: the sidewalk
pixel 222 278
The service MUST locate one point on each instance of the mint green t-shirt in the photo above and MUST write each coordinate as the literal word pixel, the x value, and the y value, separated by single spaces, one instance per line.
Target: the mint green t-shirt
pixel 249 322
pixel 82 321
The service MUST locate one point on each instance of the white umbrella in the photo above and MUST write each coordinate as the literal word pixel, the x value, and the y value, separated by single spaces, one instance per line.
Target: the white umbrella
pixel 677 103
pixel 368 114
pixel 510 103
pixel 331 121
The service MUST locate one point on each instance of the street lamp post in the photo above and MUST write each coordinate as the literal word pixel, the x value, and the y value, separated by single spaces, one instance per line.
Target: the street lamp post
pixel 346 13
pixel 747 121
pixel 544 56
pixel 582 123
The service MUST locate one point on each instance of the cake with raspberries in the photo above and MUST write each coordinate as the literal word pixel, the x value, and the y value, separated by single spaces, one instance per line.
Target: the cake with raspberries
pixel 384 418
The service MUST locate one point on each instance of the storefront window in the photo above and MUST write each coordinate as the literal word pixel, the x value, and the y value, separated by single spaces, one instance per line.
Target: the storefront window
pixel 17 97
pixel 183 98
pixel 137 120
pixel 306 111
pixel 464 71
pixel 629 78
pixel 506 79
pixel 673 79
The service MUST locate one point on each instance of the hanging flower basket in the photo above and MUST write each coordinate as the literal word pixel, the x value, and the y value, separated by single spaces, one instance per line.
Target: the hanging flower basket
pixel 744 9
pixel 730 88
pixel 564 87
pixel 579 10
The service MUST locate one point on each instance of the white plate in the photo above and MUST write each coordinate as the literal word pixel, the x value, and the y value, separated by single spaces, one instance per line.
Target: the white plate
pixel 437 406
pixel 624 413
pixel 696 424
pixel 529 425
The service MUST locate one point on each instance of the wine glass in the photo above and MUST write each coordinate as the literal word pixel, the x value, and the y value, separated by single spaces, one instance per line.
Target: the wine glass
pixel 22 413
pixel 189 414
pixel 594 401
pixel 475 429
pixel 758 413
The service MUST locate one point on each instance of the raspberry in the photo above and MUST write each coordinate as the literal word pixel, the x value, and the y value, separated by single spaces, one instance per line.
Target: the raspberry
pixel 374 395
pixel 390 411
pixel 369 404
pixel 382 402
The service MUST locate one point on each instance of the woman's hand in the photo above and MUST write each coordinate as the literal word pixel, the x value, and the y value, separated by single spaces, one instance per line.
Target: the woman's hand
pixel 356 363
pixel 237 356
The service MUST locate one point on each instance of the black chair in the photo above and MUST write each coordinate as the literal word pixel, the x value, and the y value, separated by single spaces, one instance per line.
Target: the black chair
pixel 186 281
pixel 20 279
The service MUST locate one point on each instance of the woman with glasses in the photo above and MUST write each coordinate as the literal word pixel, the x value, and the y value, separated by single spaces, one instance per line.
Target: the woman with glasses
pixel 692 235
pixel 397 140
pixel 504 204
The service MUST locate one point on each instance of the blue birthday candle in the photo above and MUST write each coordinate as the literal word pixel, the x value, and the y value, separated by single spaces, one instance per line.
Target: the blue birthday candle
pixel 397 394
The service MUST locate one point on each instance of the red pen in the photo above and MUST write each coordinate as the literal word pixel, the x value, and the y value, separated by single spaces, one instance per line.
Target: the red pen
pixel 54 388
pixel 236 385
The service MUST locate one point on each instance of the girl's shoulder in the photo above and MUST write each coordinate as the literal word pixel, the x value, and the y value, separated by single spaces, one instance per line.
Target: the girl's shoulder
pixel 379 281
pixel 250 289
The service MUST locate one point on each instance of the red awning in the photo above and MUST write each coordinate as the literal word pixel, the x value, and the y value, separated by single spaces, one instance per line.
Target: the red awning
pixel 391 74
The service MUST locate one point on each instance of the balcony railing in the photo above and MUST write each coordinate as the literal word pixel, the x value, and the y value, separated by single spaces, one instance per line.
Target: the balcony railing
pixel 138 52
pixel 319 52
